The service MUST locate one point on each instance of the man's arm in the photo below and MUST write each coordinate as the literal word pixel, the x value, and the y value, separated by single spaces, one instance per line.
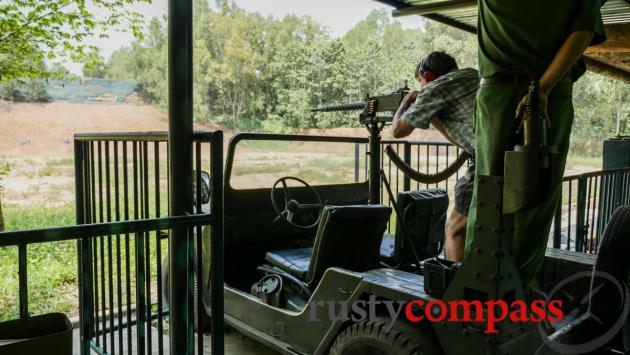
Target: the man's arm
pixel 570 51
pixel 400 128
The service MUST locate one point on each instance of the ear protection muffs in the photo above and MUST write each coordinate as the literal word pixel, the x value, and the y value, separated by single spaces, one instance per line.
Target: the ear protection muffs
pixel 426 72
pixel 428 75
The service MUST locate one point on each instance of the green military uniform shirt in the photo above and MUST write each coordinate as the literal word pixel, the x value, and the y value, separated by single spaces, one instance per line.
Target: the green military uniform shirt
pixel 522 37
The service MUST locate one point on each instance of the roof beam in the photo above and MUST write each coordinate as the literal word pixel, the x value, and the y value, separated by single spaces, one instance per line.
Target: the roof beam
pixel 395 3
pixel 450 22
pixel 599 67
pixel 442 7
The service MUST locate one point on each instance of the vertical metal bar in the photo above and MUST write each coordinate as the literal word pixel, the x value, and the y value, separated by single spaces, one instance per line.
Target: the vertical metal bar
pixel 456 155
pixel 110 259
pixel 83 248
pixel 216 241
pixel 417 164
pixel 569 215
pixel 589 238
pixel 23 281
pixel 557 225
pixel 593 197
pixel 427 162
pixel 198 257
pixel 356 162
pixel 158 251
pixel 139 246
pixel 407 160
pixel 397 172
pixel 118 248
pixel 580 215
pixel 127 245
pixel 375 164
pixel 447 180
pixel 89 217
pixel 95 246
pixel 101 213
pixel 147 241
pixel 180 99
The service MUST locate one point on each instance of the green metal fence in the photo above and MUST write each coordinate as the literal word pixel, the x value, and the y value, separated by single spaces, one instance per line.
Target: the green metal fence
pixel 122 176
pixel 588 201
pixel 122 235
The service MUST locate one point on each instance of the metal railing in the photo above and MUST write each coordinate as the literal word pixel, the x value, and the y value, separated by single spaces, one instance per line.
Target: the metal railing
pixel 123 176
pixel 588 201
pixel 122 234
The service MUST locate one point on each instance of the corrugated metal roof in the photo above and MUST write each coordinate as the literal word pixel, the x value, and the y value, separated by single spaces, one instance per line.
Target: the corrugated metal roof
pixel 465 12
pixel 610 58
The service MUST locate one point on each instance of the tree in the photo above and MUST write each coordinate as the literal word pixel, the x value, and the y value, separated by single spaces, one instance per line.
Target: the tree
pixel 34 31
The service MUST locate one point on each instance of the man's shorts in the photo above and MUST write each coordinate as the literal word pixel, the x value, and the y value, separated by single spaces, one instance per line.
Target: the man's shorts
pixel 464 191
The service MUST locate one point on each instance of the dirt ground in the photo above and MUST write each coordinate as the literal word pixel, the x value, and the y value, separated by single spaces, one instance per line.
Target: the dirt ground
pixel 47 130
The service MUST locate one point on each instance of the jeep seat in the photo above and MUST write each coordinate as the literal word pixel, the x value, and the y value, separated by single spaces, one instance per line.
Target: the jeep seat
pixel 348 237
pixel 424 214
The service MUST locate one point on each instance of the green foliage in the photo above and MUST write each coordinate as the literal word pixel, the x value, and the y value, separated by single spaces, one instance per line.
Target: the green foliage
pixel 11 92
pixel 36 91
pixel 32 90
pixel 34 31
pixel 602 109
pixel 260 73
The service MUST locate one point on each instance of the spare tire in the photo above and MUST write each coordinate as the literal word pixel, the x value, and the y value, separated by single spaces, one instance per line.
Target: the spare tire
pixel 205 318
pixel 614 259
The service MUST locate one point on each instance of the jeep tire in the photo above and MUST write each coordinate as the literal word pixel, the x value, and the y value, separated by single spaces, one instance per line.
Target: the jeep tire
pixel 612 258
pixel 205 318
pixel 372 337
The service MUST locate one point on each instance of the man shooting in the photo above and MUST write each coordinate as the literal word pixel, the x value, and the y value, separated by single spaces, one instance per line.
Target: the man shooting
pixel 446 100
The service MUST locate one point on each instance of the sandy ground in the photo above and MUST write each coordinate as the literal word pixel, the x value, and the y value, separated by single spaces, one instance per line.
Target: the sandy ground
pixel 47 130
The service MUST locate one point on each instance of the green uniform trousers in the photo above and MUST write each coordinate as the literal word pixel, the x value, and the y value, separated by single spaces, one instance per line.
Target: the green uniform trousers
pixel 495 132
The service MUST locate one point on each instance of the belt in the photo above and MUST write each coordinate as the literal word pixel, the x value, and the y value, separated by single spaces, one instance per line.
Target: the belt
pixel 513 79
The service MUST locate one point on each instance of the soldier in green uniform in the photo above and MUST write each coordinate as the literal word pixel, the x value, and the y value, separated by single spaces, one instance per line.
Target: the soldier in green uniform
pixel 520 41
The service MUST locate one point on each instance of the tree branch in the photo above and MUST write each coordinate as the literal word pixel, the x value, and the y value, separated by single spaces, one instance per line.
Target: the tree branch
pixel 29 22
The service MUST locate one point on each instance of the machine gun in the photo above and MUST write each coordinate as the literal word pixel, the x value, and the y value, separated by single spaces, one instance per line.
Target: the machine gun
pixel 372 106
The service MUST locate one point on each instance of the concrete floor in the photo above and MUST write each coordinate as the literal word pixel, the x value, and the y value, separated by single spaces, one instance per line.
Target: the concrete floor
pixel 235 343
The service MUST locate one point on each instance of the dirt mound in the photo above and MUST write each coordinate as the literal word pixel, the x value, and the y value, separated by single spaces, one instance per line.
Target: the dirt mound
pixel 47 130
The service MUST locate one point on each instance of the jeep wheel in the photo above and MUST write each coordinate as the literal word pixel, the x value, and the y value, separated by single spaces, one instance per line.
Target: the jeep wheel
pixel 372 337
pixel 613 259
pixel 205 318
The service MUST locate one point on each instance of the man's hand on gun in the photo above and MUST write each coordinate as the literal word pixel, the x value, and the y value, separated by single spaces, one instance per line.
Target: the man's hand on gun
pixel 408 100
pixel 521 115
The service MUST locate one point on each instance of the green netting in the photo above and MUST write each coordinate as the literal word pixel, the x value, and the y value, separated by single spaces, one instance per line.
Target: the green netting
pixel 91 90
pixel 77 91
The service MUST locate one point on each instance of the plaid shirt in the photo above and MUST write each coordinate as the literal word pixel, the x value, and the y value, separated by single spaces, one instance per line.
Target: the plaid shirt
pixel 451 99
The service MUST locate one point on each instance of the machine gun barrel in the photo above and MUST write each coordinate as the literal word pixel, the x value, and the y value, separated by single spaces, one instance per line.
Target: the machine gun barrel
pixel 356 106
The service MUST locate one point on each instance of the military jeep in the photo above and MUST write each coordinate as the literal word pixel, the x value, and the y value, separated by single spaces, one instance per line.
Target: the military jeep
pixel 299 258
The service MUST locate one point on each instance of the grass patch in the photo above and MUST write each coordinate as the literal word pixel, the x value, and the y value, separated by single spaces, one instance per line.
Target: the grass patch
pixel 52 267
pixel 268 145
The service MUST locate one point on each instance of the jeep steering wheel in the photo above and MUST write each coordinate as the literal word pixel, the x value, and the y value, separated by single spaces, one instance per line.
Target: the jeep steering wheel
pixel 292 206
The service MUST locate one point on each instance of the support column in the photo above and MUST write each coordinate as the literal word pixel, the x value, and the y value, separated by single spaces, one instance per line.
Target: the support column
pixel 180 117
